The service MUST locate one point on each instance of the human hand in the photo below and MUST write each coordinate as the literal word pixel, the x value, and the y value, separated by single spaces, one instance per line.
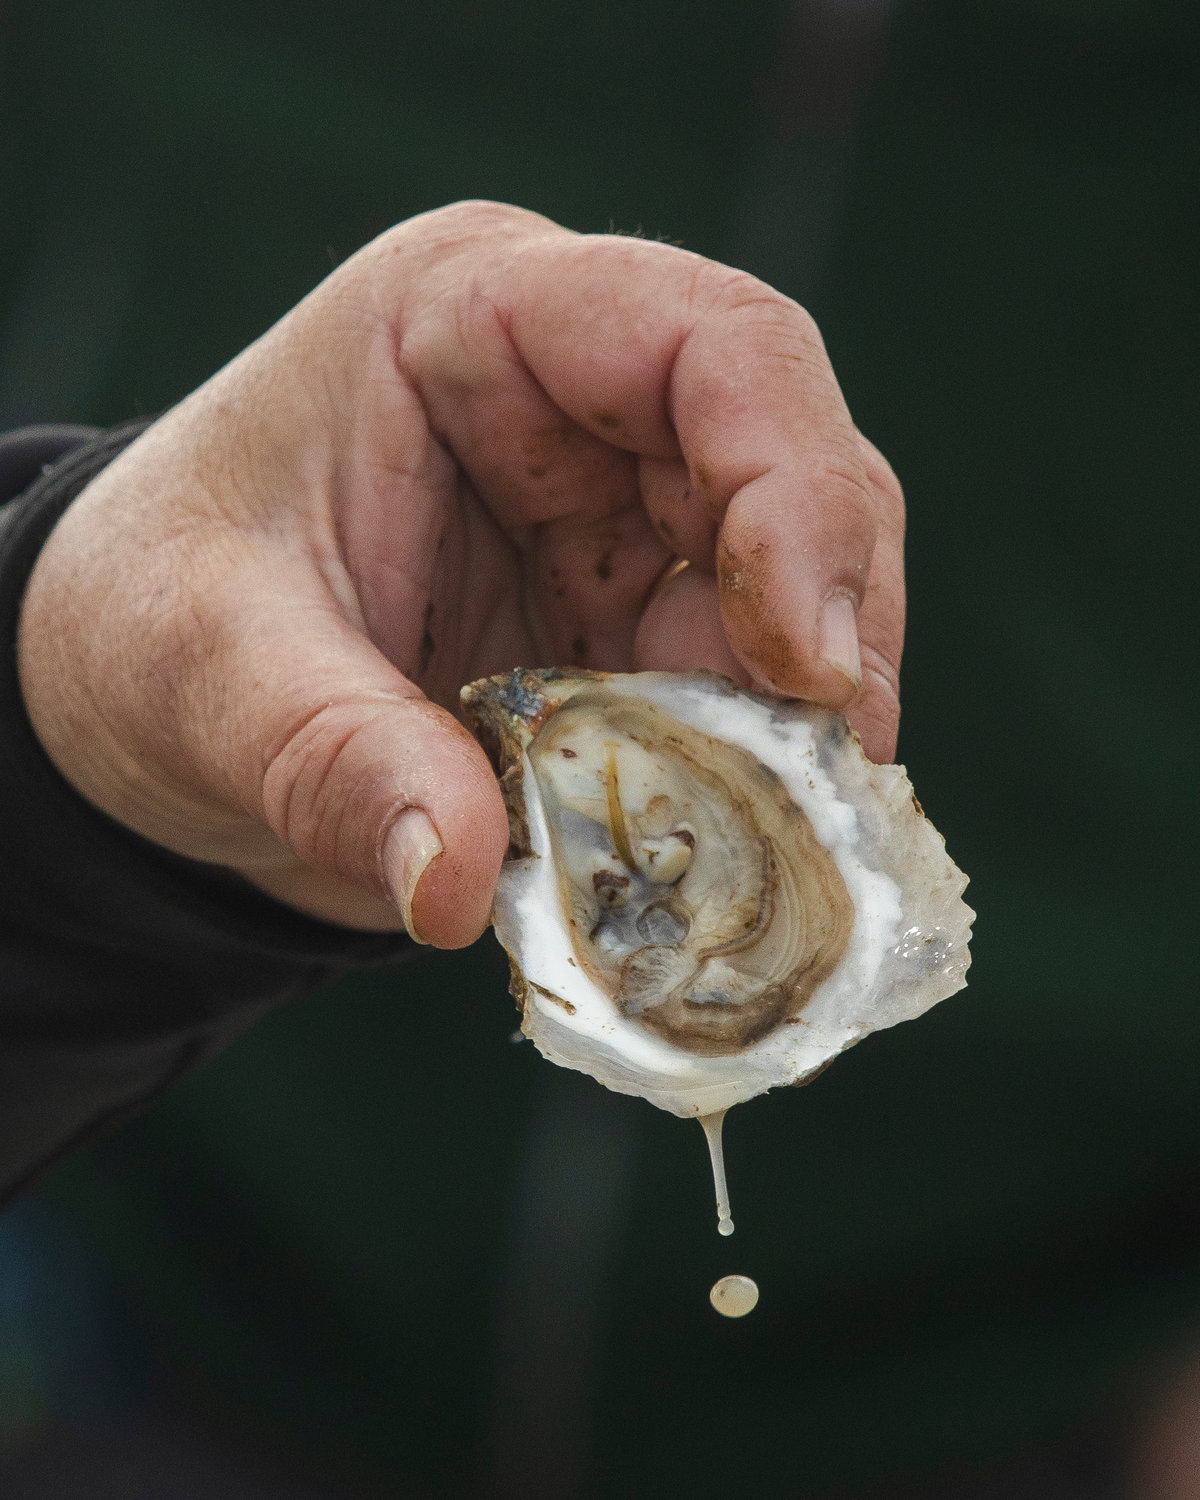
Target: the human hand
pixel 482 442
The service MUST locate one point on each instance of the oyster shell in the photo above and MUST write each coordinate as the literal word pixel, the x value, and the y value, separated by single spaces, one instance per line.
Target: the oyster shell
pixel 708 893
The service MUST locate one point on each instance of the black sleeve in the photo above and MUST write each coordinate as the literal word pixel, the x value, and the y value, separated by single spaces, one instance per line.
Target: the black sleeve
pixel 121 965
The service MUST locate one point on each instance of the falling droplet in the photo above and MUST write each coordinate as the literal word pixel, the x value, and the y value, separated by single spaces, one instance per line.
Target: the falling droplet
pixel 734 1296
pixel 712 1130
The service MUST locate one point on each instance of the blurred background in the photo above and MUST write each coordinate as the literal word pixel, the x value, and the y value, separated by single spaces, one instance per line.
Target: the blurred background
pixel 379 1250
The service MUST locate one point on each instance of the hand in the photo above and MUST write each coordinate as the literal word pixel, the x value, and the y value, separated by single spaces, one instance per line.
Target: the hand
pixel 483 441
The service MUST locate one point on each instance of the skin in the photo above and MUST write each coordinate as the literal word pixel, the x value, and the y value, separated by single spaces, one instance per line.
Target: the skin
pixel 483 441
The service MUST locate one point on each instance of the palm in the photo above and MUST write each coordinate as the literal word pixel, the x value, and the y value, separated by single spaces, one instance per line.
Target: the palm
pixel 569 591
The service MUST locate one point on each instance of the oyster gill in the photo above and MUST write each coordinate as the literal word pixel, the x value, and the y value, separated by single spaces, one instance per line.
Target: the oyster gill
pixel 709 893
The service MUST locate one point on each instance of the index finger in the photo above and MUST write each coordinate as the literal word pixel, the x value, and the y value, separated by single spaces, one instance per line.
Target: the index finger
pixel 605 348
pixel 676 354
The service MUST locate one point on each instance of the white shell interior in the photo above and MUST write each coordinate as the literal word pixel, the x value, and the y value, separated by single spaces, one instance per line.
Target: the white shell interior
pixel 907 949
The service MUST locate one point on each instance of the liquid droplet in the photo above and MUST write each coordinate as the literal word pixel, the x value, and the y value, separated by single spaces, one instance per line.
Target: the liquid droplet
pixel 712 1130
pixel 734 1296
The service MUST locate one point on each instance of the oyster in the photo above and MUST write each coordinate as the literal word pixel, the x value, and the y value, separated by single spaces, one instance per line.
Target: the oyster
pixel 708 893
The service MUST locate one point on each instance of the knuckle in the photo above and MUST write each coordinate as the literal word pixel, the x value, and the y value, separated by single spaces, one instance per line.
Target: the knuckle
pixel 477 214
pixel 456 227
pixel 881 676
pixel 780 337
pixel 883 476
pixel 889 493
pixel 318 793
pixel 846 505
pixel 724 289
pixel 875 714
pixel 892 510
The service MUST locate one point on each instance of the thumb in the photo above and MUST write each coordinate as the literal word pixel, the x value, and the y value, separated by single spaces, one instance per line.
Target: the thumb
pixel 379 787
pixel 200 683
pixel 359 776
pixel 341 775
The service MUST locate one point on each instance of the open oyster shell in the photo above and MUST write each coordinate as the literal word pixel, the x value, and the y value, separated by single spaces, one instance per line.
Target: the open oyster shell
pixel 708 893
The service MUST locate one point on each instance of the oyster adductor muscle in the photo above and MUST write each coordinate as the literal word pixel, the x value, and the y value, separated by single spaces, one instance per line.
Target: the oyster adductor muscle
pixel 708 892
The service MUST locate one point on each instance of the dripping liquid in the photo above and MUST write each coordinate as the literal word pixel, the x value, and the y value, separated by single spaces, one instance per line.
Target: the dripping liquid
pixel 712 1131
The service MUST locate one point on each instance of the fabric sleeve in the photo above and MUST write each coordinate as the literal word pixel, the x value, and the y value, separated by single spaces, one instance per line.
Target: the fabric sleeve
pixel 122 965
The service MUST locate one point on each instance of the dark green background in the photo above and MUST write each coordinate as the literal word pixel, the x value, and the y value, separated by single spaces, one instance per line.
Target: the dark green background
pixel 375 1235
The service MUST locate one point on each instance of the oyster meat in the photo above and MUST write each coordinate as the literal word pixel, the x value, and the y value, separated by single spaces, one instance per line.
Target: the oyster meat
pixel 708 892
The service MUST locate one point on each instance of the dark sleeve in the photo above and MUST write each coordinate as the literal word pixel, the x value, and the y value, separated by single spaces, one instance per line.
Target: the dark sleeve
pixel 121 965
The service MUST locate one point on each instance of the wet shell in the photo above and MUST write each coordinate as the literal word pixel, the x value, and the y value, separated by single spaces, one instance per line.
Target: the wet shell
pixel 709 893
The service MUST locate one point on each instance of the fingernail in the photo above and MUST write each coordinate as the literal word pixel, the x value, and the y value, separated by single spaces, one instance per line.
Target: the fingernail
pixel 411 846
pixel 839 638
